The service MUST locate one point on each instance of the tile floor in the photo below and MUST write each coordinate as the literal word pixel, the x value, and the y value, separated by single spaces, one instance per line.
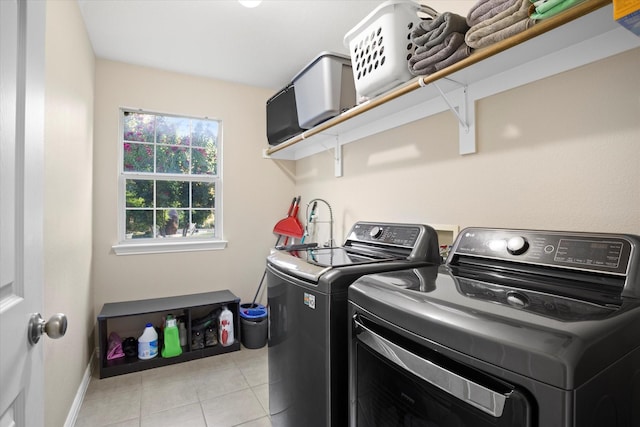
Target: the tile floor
pixel 219 391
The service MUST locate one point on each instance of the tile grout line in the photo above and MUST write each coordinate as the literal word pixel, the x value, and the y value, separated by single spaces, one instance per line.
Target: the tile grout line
pixel 248 365
pixel 204 416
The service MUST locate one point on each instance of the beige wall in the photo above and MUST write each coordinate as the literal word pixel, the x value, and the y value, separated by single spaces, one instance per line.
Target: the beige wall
pixel 562 153
pixel 68 192
pixel 256 191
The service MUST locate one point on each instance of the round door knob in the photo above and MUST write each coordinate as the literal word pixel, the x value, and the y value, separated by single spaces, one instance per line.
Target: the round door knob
pixel 55 328
pixel 517 245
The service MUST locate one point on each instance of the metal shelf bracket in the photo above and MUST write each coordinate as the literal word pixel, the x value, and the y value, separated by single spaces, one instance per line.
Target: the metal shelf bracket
pixel 337 159
pixel 337 155
pixel 464 110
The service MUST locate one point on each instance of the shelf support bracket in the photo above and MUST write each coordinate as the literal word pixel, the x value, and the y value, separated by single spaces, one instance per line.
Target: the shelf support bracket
pixel 337 154
pixel 467 133
pixel 337 158
pixel 460 115
pixel 465 113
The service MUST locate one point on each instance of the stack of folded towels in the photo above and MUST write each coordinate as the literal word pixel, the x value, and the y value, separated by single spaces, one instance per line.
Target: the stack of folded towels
pixel 448 38
pixel 440 43
pixel 491 21
pixel 547 8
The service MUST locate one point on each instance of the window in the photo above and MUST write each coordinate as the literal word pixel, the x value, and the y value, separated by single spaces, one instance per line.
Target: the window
pixel 169 183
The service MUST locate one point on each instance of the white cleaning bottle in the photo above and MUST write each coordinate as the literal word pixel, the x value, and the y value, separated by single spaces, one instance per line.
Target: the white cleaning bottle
pixel 225 327
pixel 183 334
pixel 148 343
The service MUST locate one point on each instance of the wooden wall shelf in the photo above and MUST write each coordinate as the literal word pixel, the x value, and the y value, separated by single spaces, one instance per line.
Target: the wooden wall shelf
pixel 581 35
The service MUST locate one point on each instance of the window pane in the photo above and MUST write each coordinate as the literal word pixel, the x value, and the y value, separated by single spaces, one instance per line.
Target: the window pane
pixel 204 221
pixel 170 222
pixel 138 127
pixel 172 194
pixel 138 157
pixel 173 130
pixel 139 193
pixel 204 161
pixel 157 151
pixel 172 159
pixel 205 133
pixel 203 194
pixel 139 224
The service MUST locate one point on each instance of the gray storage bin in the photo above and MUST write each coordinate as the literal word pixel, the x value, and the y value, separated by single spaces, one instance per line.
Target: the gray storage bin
pixel 324 89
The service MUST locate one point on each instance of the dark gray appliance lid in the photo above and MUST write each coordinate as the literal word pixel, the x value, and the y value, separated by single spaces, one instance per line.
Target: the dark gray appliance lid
pixel 339 257
pixel 366 243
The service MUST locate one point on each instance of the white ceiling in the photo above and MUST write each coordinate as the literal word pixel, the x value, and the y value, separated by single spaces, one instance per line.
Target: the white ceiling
pixel 264 46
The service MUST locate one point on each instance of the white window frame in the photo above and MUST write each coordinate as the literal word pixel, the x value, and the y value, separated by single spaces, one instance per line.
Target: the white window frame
pixel 155 245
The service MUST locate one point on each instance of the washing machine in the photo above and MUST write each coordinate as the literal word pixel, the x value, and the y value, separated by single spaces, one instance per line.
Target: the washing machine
pixel 308 321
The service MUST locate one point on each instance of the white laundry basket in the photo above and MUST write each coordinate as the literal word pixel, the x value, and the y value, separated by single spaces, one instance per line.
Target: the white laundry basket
pixel 380 46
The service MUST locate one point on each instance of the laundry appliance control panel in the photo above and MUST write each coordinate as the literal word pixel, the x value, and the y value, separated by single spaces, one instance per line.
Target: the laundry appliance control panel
pixel 583 251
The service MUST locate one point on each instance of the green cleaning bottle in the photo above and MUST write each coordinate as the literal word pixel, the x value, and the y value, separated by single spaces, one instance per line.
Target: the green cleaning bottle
pixel 171 346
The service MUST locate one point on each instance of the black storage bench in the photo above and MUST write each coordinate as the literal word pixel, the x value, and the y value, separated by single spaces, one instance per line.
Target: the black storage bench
pixel 131 316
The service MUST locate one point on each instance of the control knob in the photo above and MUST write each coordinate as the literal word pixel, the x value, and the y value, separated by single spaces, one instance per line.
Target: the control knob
pixel 375 232
pixel 517 245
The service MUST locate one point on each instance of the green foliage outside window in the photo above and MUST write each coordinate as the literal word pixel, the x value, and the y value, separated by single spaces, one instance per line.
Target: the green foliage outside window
pixel 170 166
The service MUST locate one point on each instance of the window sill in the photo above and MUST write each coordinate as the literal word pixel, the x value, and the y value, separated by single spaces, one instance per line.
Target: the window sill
pixel 130 248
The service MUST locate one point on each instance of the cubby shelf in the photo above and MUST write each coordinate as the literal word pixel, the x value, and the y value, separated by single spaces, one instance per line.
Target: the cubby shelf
pixel 185 303
pixel 578 36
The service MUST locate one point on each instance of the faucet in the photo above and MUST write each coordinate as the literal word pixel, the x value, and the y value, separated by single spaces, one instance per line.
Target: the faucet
pixel 309 217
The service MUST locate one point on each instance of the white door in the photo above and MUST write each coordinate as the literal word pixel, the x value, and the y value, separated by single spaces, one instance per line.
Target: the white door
pixel 21 198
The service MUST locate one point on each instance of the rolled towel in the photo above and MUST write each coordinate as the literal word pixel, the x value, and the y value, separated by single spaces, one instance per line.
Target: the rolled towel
pixel 429 60
pixel 504 33
pixel 433 32
pixel 549 10
pixel 487 9
pixel 505 24
pixel 462 52
pixel 544 5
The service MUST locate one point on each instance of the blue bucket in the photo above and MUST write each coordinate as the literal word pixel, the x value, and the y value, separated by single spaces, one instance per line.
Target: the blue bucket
pixel 253 311
pixel 253 325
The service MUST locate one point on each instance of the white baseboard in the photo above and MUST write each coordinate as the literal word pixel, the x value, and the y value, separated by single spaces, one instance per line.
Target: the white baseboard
pixel 82 390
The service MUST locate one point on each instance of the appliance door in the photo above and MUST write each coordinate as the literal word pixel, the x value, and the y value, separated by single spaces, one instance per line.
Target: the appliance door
pixel 396 381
